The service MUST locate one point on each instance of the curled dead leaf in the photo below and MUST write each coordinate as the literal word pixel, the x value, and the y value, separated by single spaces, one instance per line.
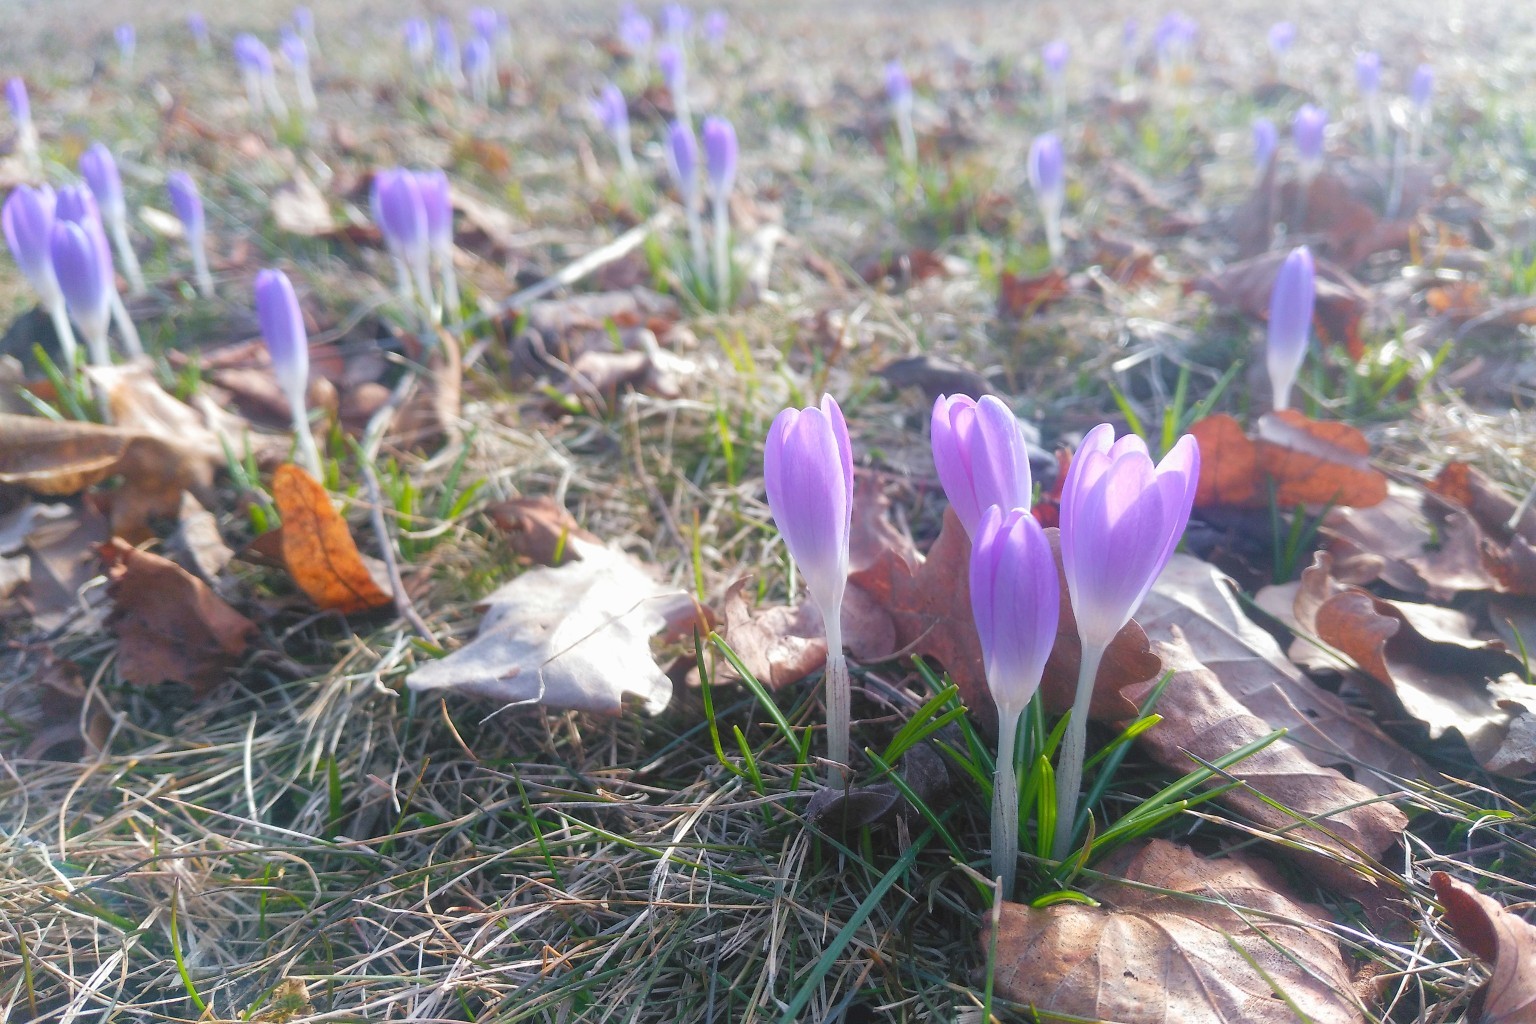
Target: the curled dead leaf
pixel 1498 936
pixel 1308 462
pixel 318 548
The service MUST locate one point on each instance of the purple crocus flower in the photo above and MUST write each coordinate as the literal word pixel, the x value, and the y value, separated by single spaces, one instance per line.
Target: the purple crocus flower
pixel 676 21
pixel 417 36
pixel 1046 164
pixel 808 474
pixel 447 50
pixel 716 24
pixel 16 99
pixel 1368 72
pixel 401 215
pixel 1291 303
pixel 82 268
pixel 28 217
pixel 981 455
pixel 77 204
pixel 485 23
pixel 1016 602
pixel 294 51
pixel 1055 55
pixel 282 325
pixel 612 111
pixel 1307 132
pixel 1130 34
pixel 683 157
pixel 670 60
pixel 1422 87
pixel 437 205
pixel 720 154
pixel 188 205
pixel 898 87
pixel 100 173
pixel 1281 35
pixel 127 41
pixel 197 25
pixel 304 21
pixel 635 30
pixel 1266 138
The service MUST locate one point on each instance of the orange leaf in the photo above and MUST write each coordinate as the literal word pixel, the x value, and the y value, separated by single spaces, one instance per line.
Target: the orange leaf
pixel 1020 297
pixel 321 555
pixel 1309 462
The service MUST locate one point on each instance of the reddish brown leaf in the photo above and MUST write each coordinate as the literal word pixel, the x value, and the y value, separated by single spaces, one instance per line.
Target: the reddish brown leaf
pixel 318 548
pixel 1182 939
pixel 538 529
pixel 1506 941
pixel 1309 462
pixel 1020 297
pixel 904 269
pixel 170 627
pixel 1396 543
pixel 781 645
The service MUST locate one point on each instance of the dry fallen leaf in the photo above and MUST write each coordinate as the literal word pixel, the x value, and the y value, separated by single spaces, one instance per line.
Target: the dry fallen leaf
pixel 300 208
pixel 1308 462
pixel 538 529
pixel 318 548
pixel 781 645
pixel 46 716
pixel 1020 297
pixel 170 627
pixel 1396 543
pixel 1202 719
pixel 1196 941
pixel 576 637
pixel 935 376
pixel 1498 936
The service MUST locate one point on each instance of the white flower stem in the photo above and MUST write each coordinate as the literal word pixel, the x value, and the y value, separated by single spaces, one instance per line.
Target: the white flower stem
pixel 1069 770
pixel 118 224
pixel 721 205
pixel 907 134
pixel 68 348
pixel 450 279
pixel 306 88
pixel 308 452
pixel 198 245
pixel 131 342
pixel 696 235
pixel 1005 801
pixel 839 699
pixel 1050 210
pixel 96 345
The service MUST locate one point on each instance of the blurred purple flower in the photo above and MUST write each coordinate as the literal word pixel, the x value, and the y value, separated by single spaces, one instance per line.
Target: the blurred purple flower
pixel 100 173
pixel 1266 138
pixel 282 326
pixel 716 24
pixel 1308 131
pixel 437 206
pixel 981 455
pixel 127 40
pixel 16 98
pixel 676 21
pixel 1047 165
pixel 1422 87
pixel 898 87
pixel 186 201
pixel 1281 35
pixel 398 210
pixel 197 25
pixel 418 40
pixel 670 60
pixel 720 155
pixel 79 266
pixel 485 22
pixel 1368 72
pixel 1055 55
pixel 683 157
pixel 294 50
pixel 635 30
pixel 1291 302
pixel 1016 602
pixel 28 220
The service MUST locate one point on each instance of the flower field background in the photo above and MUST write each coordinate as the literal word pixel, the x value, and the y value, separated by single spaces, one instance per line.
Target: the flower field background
pixel 406 634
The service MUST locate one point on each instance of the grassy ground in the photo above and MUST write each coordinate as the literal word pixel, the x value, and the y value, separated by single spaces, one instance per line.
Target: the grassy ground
pixel 316 843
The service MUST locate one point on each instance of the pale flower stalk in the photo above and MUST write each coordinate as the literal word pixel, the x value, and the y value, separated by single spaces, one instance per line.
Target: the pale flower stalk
pixel 683 152
pixel 720 151
pixel 1047 173
pixel 898 90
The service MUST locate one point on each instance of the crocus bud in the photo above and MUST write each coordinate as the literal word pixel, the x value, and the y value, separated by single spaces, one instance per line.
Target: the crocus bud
pixel 77 204
pixel 612 111
pixel 1016 601
pixel 1422 87
pixel 398 209
pixel 16 99
pixel 100 173
pixel 282 325
pixel 484 22
pixel 1290 319
pixel 683 156
pixel 716 24
pixel 981 455
pixel 295 52
pixel 1307 132
pixel 304 21
pixel 1265 138
pixel 676 20
pixel 28 219
pixel 1054 55
pixel 808 473
pixel 1281 35
pixel 720 155
pixel 635 30
pixel 186 201
pixel 1368 72
pixel 1046 165
pixel 418 40
pixel 898 87
pixel 79 265
pixel 437 204
pixel 670 60
pixel 127 41
pixel 1121 519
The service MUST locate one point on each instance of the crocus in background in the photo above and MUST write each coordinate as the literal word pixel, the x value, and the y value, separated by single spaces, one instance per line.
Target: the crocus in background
pixel 676 22
pixel 127 44
pixel 487 25
pixel 1421 89
pixel 611 110
pixel 1308 132
pixel 296 53
pixel 28 220
pixel 898 90
pixel 1368 81
pixel 82 279
pixel 437 204
pixel 26 132
pixel 1174 41
pixel 1054 57
pixel 683 158
pixel 1291 302
pixel 1281 35
pixel 450 70
pixel 188 205
pixel 256 69
pixel 401 215
pixel 100 173
pixel 1121 519
pixel 720 154
pixel 1016 602
pixel 981 455
pixel 197 26
pixel 673 63
pixel 77 204
pixel 716 24
pixel 479 69
pixel 1047 175
pixel 808 473
pixel 1266 138
pixel 635 32
pixel 282 325
pixel 304 21
pixel 417 37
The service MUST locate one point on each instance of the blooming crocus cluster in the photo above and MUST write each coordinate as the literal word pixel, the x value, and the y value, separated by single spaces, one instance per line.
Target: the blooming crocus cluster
pixel 21 113
pixel 296 53
pixel 188 205
pixel 611 110
pixel 282 325
pixel 1291 302
pixel 683 159
pixel 1047 176
pixel 28 221
pixel 1266 137
pixel 1308 131
pixel 1121 518
pixel 808 474
pixel 100 172
pixel 898 91
pixel 720 154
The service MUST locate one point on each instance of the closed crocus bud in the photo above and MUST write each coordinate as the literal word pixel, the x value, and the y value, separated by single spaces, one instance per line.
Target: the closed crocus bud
pixel 295 52
pixel 1016 599
pixel 716 24
pixel 1281 35
pixel 898 87
pixel 1422 87
pixel 418 40
pixel 484 22
pixel 1265 139
pixel 1046 165
pixel 1055 55
pixel 1121 519
pixel 82 275
pixel 683 155
pixel 100 173
pixel 676 20
pixel 635 30
pixel 398 209
pixel 982 458
pixel 77 204
pixel 670 60
pixel 1290 320
pixel 808 473
pixel 186 201
pixel 1368 73
pixel 16 99
pixel 437 204
pixel 28 221
pixel 282 325
pixel 720 155
pixel 612 110
pixel 1308 128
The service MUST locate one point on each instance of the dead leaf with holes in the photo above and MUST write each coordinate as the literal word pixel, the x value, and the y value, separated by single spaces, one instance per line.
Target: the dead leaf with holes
pixel 318 547
pixel 1496 935
pixel 170 626
pixel 1176 937
pixel 575 637
pixel 1307 462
